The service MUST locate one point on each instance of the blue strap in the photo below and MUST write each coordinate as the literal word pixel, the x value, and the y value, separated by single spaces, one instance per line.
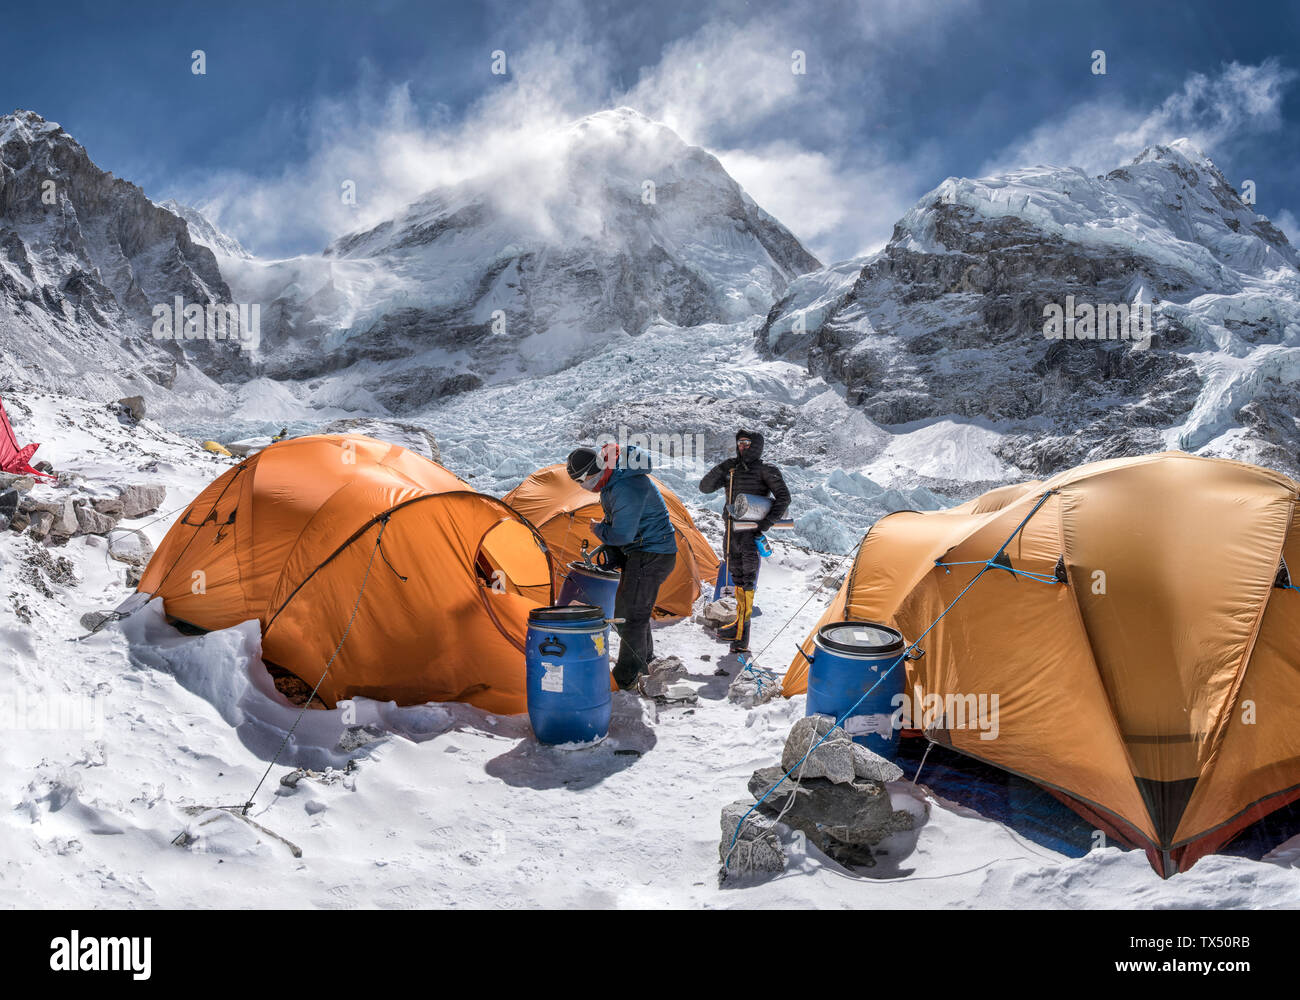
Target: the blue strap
pixel 1040 577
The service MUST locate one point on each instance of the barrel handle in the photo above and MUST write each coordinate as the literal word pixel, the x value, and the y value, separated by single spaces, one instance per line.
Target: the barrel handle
pixel 799 650
pixel 551 646
pixel 916 654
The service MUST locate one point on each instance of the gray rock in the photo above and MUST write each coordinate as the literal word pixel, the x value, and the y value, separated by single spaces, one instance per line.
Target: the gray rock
pixel 846 821
pixel 832 758
pixel 111 506
pixel 757 848
pixel 8 503
pixel 41 523
pixel 130 547
pixel 19 521
pixel 65 523
pixel 92 522
pixel 867 764
pixel 663 673
pixel 715 614
pixel 23 484
pixel 140 501
pixel 133 405
pixel 754 685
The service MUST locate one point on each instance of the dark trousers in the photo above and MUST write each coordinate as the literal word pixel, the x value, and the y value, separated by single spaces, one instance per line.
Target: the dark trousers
pixel 643 575
pixel 743 559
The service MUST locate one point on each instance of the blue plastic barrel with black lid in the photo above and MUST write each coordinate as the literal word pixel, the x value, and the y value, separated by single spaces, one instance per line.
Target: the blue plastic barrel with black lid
pixel 567 663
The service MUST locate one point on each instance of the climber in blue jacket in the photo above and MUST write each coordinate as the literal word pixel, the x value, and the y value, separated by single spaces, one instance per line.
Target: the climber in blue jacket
pixel 637 537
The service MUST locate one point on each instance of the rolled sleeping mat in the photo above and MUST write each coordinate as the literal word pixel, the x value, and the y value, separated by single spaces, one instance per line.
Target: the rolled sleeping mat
pixel 746 510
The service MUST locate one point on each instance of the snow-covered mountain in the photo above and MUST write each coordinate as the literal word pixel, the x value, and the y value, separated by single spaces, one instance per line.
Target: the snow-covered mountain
pixel 947 323
pixel 608 225
pixel 86 257
pixel 203 231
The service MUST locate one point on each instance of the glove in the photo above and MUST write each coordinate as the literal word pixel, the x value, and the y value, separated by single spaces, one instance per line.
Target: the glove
pixel 764 526
pixel 609 557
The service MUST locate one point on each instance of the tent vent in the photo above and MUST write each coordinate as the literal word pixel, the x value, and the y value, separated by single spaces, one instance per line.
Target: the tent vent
pixel 1001 559
pixel 1283 579
pixel 1059 572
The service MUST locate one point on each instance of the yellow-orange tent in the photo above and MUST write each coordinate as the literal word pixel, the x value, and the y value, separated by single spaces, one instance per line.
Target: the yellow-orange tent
pixel 562 511
pixel 288 536
pixel 1157 690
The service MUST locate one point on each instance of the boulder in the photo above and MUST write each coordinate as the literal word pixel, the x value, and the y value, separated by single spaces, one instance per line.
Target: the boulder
pixel 874 767
pixel 663 673
pixel 65 524
pixel 757 848
pixel 8 504
pixel 134 405
pixel 111 505
pixel 851 821
pixel 715 614
pixel 41 523
pixel 20 521
pixel 837 757
pixel 23 484
pixel 140 501
pixel 92 522
pixel 130 547
pixel 830 758
pixel 753 686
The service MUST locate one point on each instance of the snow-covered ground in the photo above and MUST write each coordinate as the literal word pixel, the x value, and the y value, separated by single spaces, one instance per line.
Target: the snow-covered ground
pixel 115 744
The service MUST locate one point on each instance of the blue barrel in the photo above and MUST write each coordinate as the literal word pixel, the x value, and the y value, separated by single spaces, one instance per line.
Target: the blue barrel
pixel 587 584
pixel 849 658
pixel 567 657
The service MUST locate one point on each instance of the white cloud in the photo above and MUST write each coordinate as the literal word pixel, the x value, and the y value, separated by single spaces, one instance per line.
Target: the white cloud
pixel 838 210
pixel 1212 111
pixel 728 86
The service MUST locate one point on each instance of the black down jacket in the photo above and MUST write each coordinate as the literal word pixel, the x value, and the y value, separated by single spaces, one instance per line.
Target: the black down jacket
pixel 751 475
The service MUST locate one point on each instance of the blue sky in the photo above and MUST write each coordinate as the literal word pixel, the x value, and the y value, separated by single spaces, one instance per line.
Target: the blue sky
pixel 897 96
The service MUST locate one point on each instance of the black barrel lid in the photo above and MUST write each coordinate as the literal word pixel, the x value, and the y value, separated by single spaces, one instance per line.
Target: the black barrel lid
pixel 862 638
pixel 600 571
pixel 570 614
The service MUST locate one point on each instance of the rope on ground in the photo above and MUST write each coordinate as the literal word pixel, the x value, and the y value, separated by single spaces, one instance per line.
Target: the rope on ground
pixel 383 523
pixel 990 564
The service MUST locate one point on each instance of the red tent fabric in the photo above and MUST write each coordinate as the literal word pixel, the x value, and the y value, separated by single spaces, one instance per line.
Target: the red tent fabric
pixel 12 458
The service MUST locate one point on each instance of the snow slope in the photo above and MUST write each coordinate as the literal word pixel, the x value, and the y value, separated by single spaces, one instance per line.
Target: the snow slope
pixel 445 805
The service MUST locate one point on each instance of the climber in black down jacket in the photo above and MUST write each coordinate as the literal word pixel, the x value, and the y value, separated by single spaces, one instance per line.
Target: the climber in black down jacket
pixel 746 473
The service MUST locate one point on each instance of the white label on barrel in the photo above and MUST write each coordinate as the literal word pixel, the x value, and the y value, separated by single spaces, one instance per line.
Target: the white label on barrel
pixel 862 636
pixel 553 679
pixel 856 725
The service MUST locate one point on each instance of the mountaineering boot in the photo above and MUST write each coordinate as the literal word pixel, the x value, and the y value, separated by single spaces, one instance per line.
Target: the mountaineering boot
pixel 744 611
pixel 728 632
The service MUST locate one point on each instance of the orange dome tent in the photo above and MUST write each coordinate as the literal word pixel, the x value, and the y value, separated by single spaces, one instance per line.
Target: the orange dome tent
pixel 289 536
pixel 1148 673
pixel 562 511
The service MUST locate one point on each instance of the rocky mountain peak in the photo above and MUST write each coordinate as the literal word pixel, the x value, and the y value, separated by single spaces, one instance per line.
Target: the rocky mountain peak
pixel 86 259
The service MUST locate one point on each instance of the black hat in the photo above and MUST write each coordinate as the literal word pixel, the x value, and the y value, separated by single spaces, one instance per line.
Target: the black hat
pixel 581 464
